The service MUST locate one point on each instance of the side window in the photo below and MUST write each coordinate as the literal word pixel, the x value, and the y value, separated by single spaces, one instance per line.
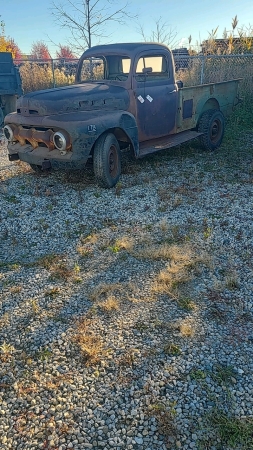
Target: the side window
pixel 152 68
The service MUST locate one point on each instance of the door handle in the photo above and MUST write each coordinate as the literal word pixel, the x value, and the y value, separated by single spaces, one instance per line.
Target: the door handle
pixel 171 92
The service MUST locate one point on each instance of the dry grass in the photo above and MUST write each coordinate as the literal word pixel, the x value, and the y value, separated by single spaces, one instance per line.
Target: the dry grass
pixel 102 291
pixel 35 77
pixel 110 304
pixel 187 328
pixel 125 243
pixel 177 271
pixel 15 289
pixel 89 342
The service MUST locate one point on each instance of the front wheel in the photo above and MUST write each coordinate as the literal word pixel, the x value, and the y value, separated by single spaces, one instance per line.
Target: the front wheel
pixel 212 125
pixel 106 160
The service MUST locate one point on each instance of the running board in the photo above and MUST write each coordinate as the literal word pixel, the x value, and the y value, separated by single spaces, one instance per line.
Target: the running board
pixel 173 140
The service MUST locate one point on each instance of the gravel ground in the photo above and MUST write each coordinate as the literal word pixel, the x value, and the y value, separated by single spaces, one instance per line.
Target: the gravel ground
pixel 126 314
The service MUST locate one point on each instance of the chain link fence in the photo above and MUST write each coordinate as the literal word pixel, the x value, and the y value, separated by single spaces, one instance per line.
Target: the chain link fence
pixel 192 70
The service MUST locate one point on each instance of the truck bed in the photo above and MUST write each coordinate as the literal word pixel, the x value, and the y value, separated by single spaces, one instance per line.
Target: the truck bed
pixel 191 101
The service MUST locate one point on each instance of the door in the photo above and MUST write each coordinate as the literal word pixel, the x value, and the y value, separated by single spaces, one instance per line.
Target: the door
pixel 156 95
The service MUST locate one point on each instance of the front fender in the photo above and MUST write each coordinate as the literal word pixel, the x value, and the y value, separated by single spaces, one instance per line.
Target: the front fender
pixel 89 130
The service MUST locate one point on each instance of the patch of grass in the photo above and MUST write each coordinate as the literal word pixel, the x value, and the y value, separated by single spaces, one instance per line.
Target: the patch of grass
pixel 88 340
pixel 47 261
pixel 35 306
pixel 231 282
pixel 53 292
pixel 186 329
pixel 172 349
pixel 11 199
pixel 164 194
pixel 102 291
pixel 165 417
pixel 15 289
pixel 110 304
pixel 84 251
pixel 232 431
pixel 118 188
pixel 141 326
pixel 197 374
pixel 186 303
pixel 44 354
pixel 223 374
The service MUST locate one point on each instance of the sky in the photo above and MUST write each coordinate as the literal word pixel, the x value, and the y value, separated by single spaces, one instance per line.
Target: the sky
pixel 28 21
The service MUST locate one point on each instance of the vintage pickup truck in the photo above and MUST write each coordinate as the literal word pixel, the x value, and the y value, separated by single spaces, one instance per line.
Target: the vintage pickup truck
pixel 125 96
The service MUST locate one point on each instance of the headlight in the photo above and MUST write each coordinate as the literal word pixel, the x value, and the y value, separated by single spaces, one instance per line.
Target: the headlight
pixel 60 141
pixel 8 132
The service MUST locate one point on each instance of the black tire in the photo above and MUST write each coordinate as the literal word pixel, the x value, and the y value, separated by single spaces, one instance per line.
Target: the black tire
pixel 106 160
pixel 38 169
pixel 1 119
pixel 212 125
pixel 35 168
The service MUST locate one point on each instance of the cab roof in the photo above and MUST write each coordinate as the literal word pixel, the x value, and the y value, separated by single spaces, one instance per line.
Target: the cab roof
pixel 130 49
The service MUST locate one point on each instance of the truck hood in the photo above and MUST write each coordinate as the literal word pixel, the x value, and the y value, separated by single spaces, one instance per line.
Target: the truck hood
pixel 77 97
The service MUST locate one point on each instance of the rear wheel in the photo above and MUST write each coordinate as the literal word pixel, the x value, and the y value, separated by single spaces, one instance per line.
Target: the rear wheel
pixel 106 160
pixel 211 124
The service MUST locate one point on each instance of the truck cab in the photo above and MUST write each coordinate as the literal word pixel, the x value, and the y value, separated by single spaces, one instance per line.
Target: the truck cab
pixel 146 71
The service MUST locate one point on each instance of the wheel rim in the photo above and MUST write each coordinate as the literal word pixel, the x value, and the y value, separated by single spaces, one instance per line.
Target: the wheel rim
pixel 215 131
pixel 113 161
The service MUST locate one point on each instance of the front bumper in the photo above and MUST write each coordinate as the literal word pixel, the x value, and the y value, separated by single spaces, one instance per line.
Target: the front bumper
pixel 42 156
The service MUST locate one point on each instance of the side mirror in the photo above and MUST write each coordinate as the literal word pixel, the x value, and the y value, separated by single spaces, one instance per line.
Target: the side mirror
pixel 147 70
pixel 180 84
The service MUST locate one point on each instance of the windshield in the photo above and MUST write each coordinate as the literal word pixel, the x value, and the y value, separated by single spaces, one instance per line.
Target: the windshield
pixel 111 67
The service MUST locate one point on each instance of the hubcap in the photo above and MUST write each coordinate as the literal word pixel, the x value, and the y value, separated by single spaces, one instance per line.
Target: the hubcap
pixel 216 130
pixel 113 161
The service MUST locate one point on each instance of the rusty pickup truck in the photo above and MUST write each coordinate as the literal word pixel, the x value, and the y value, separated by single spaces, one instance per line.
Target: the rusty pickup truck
pixel 124 96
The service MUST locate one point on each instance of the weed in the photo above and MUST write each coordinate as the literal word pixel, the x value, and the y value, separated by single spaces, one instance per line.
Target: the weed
pixel 44 354
pixel 197 374
pixel 129 357
pixel 232 431
pixel 97 194
pixel 186 303
pixel 110 304
pixel 6 349
pixel 165 416
pixel 53 292
pixel 172 350
pixel 15 289
pixel 186 329
pixel 141 326
pixel 163 194
pixel 103 290
pixel 88 341
pixel 114 249
pixel 83 251
pixel 163 225
pixel 47 261
pixel 118 188
pixel 35 306
pixel 223 374
pixel 11 199
pixel 232 282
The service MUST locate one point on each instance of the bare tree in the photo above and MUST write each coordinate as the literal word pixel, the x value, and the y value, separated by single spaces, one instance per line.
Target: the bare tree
pixel 162 33
pixel 86 19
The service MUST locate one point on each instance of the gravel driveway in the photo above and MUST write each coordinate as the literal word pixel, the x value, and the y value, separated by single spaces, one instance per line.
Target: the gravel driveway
pixel 126 314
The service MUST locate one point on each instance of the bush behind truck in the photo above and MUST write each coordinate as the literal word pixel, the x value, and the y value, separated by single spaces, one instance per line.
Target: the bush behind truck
pixel 125 95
